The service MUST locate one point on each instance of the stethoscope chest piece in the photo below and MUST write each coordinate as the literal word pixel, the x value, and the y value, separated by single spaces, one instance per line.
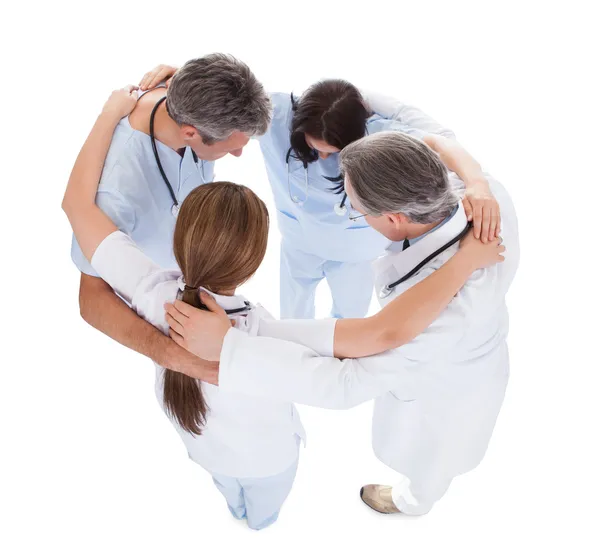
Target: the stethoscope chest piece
pixel 339 209
pixel 298 201
pixel 175 210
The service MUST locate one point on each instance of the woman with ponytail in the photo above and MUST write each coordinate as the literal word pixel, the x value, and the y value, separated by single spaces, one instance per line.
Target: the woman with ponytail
pixel 249 445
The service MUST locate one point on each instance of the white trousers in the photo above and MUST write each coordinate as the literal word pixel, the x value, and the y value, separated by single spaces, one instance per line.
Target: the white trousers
pixel 417 498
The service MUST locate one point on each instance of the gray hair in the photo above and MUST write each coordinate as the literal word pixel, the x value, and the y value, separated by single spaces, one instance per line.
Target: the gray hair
pixel 217 95
pixel 391 172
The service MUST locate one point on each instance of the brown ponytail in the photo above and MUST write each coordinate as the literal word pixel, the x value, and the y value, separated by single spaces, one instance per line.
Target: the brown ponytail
pixel 220 240
pixel 182 395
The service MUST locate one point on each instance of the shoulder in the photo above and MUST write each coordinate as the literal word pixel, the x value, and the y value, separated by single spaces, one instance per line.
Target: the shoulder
pixel 124 154
pixel 277 135
pixel 282 107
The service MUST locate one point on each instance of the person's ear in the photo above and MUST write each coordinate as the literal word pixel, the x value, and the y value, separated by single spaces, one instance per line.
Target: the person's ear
pixel 189 132
pixel 396 219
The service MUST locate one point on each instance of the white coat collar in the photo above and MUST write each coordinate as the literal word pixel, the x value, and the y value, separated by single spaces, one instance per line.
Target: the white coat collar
pixel 395 265
pixel 233 302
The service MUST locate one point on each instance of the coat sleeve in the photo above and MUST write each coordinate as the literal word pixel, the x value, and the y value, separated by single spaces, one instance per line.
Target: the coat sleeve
pixel 287 371
pixel 416 121
pixel 122 264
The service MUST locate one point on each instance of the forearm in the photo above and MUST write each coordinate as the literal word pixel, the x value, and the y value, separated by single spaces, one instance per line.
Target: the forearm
pixel 89 223
pixel 407 316
pixel 457 159
pixel 105 311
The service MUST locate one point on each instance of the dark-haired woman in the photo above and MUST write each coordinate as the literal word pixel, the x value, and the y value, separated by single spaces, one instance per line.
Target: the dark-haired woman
pixel 321 239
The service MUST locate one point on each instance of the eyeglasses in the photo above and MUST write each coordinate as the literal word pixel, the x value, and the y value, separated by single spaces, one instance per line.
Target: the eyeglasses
pixel 354 218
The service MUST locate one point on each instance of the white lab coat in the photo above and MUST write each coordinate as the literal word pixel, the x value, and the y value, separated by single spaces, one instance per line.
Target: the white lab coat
pixel 437 397
pixel 244 436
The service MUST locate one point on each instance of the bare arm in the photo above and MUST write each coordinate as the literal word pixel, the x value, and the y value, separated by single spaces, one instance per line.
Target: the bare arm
pixel 457 159
pixel 480 205
pixel 99 305
pixel 90 224
pixel 410 313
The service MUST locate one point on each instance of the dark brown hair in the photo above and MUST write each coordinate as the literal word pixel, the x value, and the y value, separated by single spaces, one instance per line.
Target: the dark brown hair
pixel 332 111
pixel 220 241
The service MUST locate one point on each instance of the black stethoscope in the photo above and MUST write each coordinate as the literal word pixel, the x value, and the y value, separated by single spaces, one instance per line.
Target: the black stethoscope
pixel 387 289
pixel 175 207
pixel 339 209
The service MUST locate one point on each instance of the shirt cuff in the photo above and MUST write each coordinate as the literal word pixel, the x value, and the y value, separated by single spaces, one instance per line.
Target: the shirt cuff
pixel 316 334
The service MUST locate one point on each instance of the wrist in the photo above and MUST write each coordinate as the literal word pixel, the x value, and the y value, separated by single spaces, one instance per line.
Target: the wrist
pixel 179 359
pixel 464 263
pixel 109 118
pixel 476 181
pixel 206 371
pixel 172 356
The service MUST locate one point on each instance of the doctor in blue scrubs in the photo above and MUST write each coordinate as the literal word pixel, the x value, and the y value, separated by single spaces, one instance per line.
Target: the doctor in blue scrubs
pixel 321 236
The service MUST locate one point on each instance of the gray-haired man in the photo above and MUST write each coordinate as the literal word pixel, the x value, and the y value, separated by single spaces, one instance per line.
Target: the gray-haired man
pixel 436 398
pixel 214 104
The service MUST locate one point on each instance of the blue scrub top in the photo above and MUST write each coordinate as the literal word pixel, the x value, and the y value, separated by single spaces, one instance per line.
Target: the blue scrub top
pixel 134 195
pixel 314 227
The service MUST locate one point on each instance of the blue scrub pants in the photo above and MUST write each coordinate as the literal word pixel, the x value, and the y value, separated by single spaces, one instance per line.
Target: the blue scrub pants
pixel 351 285
pixel 257 500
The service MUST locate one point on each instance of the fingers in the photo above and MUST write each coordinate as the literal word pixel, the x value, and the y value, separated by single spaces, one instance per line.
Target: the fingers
pixel 182 308
pixel 129 88
pixel 211 303
pixel 176 338
pixel 501 248
pixel 498 223
pixel 477 219
pixel 468 209
pixel 494 222
pixel 492 229
pixel 485 224
pixel 144 81
pixel 148 79
pixel 159 76
pixel 175 325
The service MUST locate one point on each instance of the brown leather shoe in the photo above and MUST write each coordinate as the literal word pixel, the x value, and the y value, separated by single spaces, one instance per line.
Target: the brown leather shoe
pixel 378 498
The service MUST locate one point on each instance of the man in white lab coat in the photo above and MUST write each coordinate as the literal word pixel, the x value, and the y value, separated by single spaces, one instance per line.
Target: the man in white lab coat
pixel 436 398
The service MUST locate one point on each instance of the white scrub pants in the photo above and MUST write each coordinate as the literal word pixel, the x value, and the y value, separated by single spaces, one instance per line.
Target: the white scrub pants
pixel 257 500
pixel 417 498
pixel 351 285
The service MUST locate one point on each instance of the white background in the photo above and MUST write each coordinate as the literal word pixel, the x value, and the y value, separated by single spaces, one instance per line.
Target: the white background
pixel 87 456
